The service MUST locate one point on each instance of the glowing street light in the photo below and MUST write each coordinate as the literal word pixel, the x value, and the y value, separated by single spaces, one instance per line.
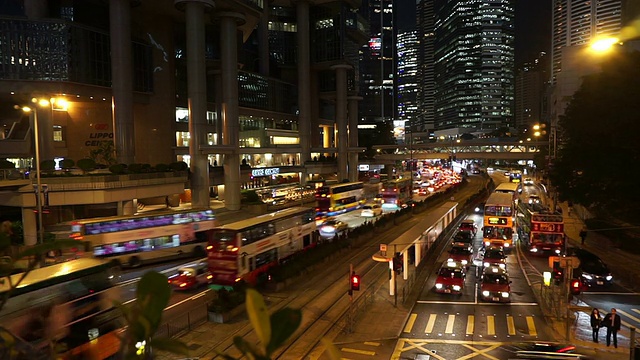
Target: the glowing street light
pixel 604 44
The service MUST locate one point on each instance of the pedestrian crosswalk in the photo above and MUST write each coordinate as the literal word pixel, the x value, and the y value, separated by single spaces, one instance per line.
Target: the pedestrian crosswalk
pixel 467 325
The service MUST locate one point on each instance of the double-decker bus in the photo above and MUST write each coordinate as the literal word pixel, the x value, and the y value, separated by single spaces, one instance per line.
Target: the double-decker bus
pixel 245 250
pixel 70 302
pixel 546 233
pixel 514 189
pixel 339 198
pixel 397 193
pixel 515 176
pixel 498 220
pixel 145 238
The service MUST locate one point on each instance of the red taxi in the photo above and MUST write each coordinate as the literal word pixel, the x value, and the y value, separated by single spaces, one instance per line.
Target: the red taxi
pixel 462 253
pixel 495 286
pixel 469 225
pixel 450 278
pixel 494 256
pixel 190 277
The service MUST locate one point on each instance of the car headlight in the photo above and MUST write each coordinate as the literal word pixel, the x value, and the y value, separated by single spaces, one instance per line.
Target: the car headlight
pixel 503 266
pixel 609 277
pixel 587 276
pixel 456 287
pixel 487 243
pixel 477 209
pixel 486 264
pixel 558 251
pixel 464 262
pixel 506 245
pixel 485 293
pixel 533 250
pixel 438 286
pixel 505 294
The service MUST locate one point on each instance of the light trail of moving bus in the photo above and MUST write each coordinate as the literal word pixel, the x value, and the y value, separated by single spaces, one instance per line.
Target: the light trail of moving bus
pixel 146 238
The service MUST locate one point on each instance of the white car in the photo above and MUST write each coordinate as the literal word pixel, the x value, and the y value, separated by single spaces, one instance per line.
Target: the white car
pixel 371 210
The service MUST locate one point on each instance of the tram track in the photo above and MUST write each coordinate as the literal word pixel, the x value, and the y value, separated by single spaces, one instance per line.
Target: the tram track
pixel 322 298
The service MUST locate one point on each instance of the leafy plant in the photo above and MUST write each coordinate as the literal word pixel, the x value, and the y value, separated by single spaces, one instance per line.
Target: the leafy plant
pixel 104 154
pixel 118 169
pixel 6 164
pixel 67 164
pixel 143 319
pixel 179 166
pixel 47 165
pixel 86 165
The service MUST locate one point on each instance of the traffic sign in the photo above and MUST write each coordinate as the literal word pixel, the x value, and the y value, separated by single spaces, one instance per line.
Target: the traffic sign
pixel 383 247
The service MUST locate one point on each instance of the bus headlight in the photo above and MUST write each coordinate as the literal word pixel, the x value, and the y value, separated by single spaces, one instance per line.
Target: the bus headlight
pixel 507 244
pixel 485 293
pixel 487 243
pixel 438 286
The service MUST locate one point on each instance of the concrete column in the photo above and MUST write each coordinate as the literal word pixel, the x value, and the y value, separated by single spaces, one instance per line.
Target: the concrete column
pixel 217 85
pixel 197 92
pixel 229 68
pixel 326 136
pixel 263 40
pixel 304 79
pixel 29 226
pixel 126 208
pixel 418 247
pixel 341 118
pixel 353 136
pixel 122 80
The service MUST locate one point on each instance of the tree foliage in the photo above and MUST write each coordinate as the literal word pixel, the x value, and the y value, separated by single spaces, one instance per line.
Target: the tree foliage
pixel 598 153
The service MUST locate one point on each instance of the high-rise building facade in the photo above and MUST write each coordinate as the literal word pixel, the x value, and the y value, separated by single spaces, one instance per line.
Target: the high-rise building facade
pixel 377 63
pixel 530 93
pixel 474 64
pixel 426 79
pixel 407 79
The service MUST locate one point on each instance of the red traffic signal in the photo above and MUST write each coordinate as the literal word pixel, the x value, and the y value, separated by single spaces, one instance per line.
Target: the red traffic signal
pixel 355 282
pixel 575 287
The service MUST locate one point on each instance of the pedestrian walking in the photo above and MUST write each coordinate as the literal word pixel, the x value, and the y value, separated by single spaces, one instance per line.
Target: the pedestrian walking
pixel 612 322
pixel 583 235
pixel 596 321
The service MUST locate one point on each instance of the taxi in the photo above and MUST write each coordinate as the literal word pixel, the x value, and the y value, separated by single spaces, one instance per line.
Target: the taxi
pixel 461 252
pixel 469 225
pixel 494 256
pixel 450 278
pixel 495 285
pixel 190 276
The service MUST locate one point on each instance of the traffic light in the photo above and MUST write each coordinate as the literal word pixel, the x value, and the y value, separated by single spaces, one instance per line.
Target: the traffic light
pixel 355 282
pixel 576 287
pixel 397 263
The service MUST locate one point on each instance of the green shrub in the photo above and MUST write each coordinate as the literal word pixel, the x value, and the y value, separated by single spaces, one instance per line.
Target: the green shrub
pixel 179 166
pixel 6 164
pixel 118 169
pixel 227 300
pixel 47 165
pixel 136 168
pixel 67 164
pixel 86 165
pixel 162 167
pixel 250 197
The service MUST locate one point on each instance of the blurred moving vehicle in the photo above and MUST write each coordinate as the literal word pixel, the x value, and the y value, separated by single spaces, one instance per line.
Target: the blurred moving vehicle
pixel 450 278
pixel 191 276
pixel 371 210
pixel 546 350
pixel 463 236
pixel 495 285
pixel 534 199
pixel 332 227
pixel 528 181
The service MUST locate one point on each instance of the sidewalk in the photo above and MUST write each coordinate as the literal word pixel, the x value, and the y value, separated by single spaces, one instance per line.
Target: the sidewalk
pixel 623 265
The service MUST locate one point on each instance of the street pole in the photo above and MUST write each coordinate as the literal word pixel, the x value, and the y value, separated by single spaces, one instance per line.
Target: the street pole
pixel 38 182
pixel 632 343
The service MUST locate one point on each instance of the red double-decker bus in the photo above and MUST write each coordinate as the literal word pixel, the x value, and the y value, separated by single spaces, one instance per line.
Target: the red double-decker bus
pixel 546 234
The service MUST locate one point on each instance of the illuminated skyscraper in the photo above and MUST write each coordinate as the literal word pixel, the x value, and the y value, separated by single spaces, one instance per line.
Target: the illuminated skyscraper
pixel 474 64
pixel 407 81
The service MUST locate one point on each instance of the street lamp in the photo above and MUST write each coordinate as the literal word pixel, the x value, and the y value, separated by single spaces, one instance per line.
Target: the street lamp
pixel 36 135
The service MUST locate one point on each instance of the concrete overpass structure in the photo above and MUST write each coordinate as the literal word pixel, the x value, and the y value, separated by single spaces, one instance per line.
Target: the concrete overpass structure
pixel 494 149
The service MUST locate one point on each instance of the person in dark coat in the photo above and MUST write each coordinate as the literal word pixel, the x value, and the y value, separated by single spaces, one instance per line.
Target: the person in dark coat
pixel 612 322
pixel 596 320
